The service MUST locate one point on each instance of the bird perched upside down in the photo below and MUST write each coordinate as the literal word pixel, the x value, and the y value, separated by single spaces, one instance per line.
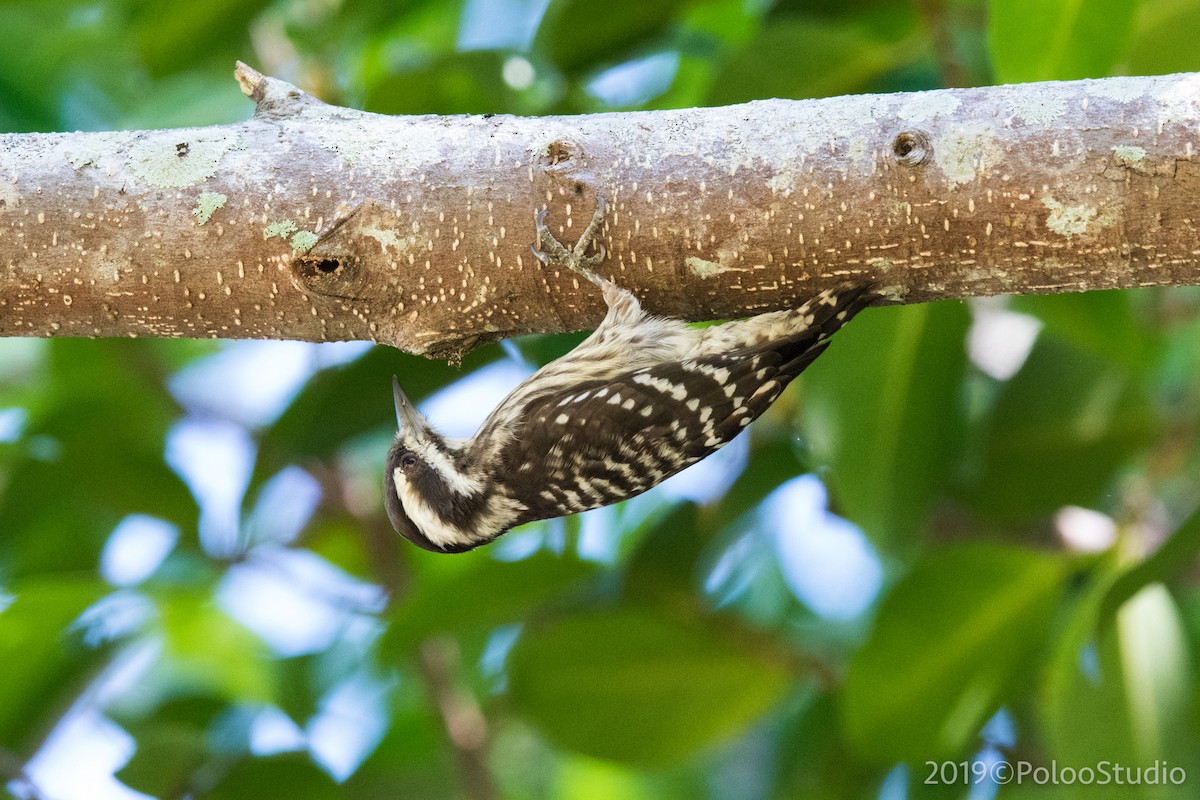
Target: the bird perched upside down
pixel 636 402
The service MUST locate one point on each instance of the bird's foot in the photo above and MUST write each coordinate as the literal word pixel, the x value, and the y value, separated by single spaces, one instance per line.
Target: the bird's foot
pixel 550 251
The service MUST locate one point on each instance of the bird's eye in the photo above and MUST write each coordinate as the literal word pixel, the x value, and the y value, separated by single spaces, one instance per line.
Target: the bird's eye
pixel 408 460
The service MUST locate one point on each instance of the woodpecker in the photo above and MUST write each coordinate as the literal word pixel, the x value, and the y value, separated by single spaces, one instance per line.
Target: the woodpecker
pixel 636 402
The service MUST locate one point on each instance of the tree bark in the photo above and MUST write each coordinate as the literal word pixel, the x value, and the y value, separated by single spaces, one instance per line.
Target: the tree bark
pixel 319 223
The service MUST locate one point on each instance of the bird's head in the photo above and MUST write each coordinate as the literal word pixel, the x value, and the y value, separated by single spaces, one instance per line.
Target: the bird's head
pixel 422 483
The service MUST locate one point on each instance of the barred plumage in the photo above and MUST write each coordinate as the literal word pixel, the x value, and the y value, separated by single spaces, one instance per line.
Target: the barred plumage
pixel 640 399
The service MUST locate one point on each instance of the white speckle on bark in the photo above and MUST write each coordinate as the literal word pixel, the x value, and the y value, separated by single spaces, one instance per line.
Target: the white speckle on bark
pixel 820 193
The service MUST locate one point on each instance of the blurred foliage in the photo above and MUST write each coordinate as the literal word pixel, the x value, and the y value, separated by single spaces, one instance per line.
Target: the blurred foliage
pixel 666 648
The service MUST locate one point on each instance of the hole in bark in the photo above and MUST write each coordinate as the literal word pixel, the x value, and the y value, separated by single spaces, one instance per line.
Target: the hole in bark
pixel 336 276
pixel 181 149
pixel 911 148
pixel 558 152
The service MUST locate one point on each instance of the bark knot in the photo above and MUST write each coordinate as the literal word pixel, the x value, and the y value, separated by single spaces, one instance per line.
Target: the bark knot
pixel 911 148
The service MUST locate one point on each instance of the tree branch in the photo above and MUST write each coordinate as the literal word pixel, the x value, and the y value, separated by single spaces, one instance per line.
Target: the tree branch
pixel 937 21
pixel 313 222
pixel 462 718
pixel 465 724
pixel 12 769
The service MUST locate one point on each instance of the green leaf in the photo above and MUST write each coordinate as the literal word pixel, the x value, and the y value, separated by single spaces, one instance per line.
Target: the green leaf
pixel 1100 323
pixel 1046 40
pixel 86 495
pixel 776 456
pixel 1059 431
pixel 458 83
pixel 412 759
pixel 166 758
pixel 184 100
pixel 576 34
pixel 1164 37
pixel 93 454
pixel 172 744
pixel 46 664
pixel 950 642
pixel 171 36
pixel 478 592
pixel 340 541
pixel 35 511
pixel 205 651
pixel 640 686
pixel 883 408
pixel 705 37
pixel 1120 692
pixel 590 779
pixel 815 761
pixel 290 775
pixel 666 560
pixel 302 680
pixel 1157 674
pixel 62 64
pixel 1172 558
pixel 348 400
pixel 799 58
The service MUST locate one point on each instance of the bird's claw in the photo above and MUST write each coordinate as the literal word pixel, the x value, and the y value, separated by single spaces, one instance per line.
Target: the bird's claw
pixel 554 252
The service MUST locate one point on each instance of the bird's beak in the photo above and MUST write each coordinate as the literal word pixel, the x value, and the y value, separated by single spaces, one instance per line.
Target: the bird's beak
pixel 407 416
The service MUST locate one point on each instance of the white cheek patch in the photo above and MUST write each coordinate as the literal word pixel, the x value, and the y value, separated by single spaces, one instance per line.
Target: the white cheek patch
pixel 441 463
pixel 427 522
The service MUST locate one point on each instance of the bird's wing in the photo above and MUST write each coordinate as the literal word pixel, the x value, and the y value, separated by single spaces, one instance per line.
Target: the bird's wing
pixel 597 443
